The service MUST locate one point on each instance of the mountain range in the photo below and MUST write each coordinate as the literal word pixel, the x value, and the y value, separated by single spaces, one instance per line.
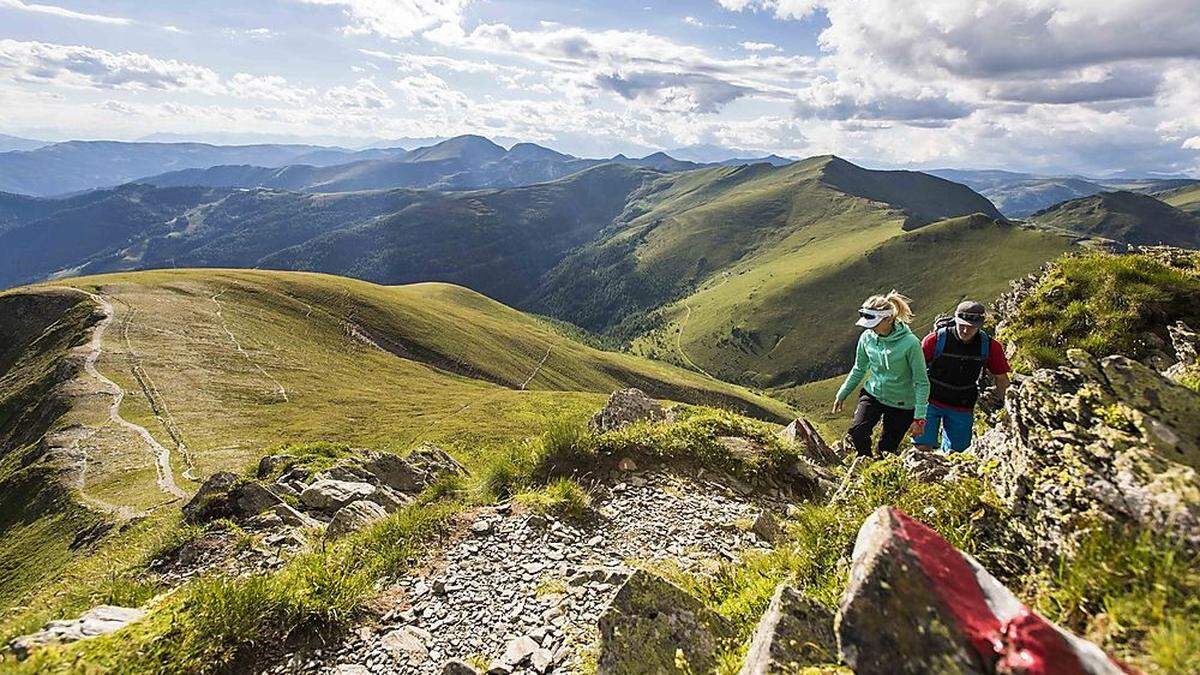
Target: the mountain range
pixel 1018 195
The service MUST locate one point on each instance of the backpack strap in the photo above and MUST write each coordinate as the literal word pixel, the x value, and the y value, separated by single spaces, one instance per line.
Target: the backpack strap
pixel 985 346
pixel 941 342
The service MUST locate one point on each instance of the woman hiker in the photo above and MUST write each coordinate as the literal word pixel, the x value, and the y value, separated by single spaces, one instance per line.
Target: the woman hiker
pixel 898 389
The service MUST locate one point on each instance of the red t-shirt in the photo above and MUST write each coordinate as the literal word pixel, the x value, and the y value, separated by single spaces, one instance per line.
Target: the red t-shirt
pixel 997 362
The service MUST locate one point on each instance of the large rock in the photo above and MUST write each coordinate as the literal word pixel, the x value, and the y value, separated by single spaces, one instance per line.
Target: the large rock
pixel 227 495
pixel 328 494
pixel 95 622
pixel 915 604
pixel 1107 440
pixel 625 407
pixel 355 516
pixel 792 633
pixel 803 433
pixel 414 472
pixel 653 626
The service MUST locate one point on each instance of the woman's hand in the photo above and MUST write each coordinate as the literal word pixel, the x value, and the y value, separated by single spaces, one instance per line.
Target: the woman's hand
pixel 917 428
pixel 837 406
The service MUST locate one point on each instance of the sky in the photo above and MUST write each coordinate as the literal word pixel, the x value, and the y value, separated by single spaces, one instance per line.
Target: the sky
pixel 1088 87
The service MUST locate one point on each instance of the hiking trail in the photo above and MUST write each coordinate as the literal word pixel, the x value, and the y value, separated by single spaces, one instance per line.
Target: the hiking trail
pixel 279 388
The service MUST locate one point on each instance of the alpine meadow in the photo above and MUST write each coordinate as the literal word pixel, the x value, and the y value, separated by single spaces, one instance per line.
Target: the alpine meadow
pixel 742 337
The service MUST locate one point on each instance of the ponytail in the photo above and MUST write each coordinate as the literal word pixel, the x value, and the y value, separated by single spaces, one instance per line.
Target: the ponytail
pixel 893 301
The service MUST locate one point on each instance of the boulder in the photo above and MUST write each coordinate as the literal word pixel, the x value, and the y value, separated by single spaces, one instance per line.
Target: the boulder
pixel 928 466
pixel 406 644
pixel 412 473
pixel 355 516
pixel 330 495
pixel 653 626
pixel 227 495
pixel 802 432
pixel 625 407
pixel 915 604
pixel 456 667
pixel 1131 440
pixel 766 526
pixel 793 632
pixel 273 465
pixel 95 622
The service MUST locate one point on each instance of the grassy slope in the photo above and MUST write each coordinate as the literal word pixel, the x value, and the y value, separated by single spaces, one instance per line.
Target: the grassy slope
pixel 786 316
pixel 685 229
pixel 1126 217
pixel 468 357
pixel 1186 199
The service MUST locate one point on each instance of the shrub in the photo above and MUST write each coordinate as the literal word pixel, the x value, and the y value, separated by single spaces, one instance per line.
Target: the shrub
pixel 1104 304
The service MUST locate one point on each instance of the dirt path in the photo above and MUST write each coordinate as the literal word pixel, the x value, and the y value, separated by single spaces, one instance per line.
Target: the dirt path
pixel 537 368
pixel 679 342
pixel 279 388
pixel 162 456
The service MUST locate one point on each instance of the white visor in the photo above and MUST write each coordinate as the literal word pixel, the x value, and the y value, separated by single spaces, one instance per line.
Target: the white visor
pixel 869 318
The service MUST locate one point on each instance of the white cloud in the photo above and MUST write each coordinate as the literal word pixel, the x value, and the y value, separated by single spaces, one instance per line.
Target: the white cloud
pixel 268 87
pixel 64 13
pixel 252 33
pixel 397 18
pixel 784 9
pixel 760 46
pixel 364 95
pixel 79 66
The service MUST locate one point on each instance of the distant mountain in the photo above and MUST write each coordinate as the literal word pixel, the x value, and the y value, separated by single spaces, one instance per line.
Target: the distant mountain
pixel 707 153
pixel 1125 217
pixel 10 143
pixel 1018 195
pixel 75 166
pixel 1186 198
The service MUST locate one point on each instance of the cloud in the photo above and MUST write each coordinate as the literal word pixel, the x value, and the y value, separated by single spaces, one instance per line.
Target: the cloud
pixel 784 9
pixel 79 66
pixel 759 47
pixel 427 91
pixel 64 13
pixel 251 33
pixel 364 95
pixel 844 99
pixel 397 18
pixel 690 92
pixel 268 87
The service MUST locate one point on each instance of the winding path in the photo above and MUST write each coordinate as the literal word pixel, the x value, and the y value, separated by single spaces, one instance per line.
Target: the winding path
pixel 162 456
pixel 279 389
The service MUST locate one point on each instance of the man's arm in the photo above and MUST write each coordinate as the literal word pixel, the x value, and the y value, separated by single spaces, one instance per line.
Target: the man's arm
pixel 1001 384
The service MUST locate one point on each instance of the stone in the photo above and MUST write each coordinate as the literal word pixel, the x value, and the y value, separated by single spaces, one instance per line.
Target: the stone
pixel 292 517
pixel 481 526
pixel 624 407
pixel 626 464
pixel 227 495
pixel 353 517
pixel 518 650
pixel 273 465
pixel 651 625
pixel 801 431
pixel 97 621
pixel 793 632
pixel 915 604
pixel 927 466
pixel 1130 436
pixel 389 499
pixel 414 472
pixel 404 643
pixel 766 526
pixel 456 667
pixel 351 669
pixel 330 495
pixel 541 660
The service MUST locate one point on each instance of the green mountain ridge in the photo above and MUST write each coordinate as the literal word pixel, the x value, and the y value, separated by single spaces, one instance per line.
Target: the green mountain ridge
pixel 1125 217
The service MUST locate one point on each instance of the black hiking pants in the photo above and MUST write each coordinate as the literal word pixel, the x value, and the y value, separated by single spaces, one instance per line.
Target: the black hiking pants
pixel 896 422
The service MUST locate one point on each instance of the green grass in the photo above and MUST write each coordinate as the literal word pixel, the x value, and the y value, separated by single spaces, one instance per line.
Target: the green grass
pixel 1104 304
pixel 1185 199
pixel 785 316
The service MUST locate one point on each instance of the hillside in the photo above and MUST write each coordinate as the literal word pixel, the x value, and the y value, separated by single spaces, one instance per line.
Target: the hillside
pixel 459 163
pixel 784 319
pixel 1019 195
pixel 1125 217
pixel 498 242
pixel 216 368
pixel 1186 198
pixel 74 166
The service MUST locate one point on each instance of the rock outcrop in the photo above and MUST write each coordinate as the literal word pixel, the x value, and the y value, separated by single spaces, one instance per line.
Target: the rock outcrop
pixel 625 407
pixel 792 633
pixel 353 517
pixel 95 622
pixel 1104 440
pixel 802 432
pixel 228 495
pixel 653 626
pixel 915 604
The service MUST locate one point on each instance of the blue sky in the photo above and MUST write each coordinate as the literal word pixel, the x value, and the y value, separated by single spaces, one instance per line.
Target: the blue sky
pixel 1073 86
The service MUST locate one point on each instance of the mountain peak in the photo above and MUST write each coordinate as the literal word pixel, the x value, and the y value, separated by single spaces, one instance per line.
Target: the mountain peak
pixel 468 147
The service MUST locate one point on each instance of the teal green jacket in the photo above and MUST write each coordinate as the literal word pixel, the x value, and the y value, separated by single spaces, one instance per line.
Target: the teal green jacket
pixel 897 367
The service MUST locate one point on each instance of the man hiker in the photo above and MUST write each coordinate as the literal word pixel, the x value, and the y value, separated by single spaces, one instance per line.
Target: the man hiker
pixel 956 352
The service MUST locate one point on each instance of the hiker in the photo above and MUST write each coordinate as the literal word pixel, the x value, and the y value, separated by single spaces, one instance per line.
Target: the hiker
pixel 897 389
pixel 957 351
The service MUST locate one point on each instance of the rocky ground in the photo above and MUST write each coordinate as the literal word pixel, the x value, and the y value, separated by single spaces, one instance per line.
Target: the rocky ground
pixel 520 588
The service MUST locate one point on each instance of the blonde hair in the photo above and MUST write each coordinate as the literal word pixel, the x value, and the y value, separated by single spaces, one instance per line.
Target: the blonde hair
pixel 893 301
